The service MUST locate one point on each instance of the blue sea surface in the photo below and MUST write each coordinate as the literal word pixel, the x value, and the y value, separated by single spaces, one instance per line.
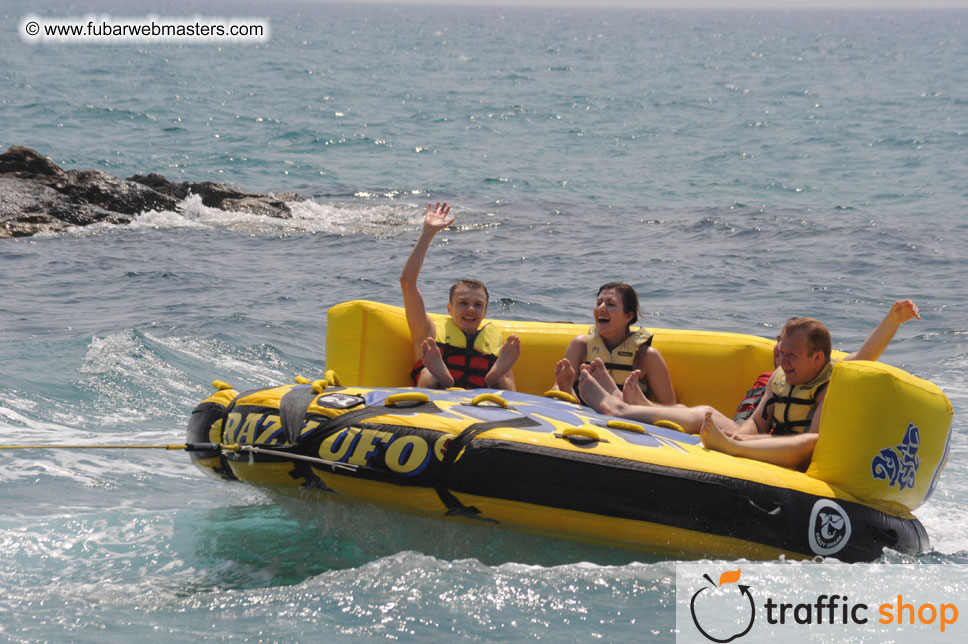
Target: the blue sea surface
pixel 737 167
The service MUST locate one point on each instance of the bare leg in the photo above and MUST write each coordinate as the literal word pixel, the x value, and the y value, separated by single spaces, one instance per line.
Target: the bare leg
pixel 712 437
pixel 595 395
pixel 565 376
pixel 788 451
pixel 596 369
pixel 505 360
pixel 434 364
pixel 632 392
pixel 689 418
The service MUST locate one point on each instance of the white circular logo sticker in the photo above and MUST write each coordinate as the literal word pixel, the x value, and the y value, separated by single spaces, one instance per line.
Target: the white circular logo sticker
pixel 829 527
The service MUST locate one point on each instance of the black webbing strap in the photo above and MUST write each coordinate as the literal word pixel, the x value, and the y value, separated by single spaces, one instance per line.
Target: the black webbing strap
pixel 292 411
pixel 455 507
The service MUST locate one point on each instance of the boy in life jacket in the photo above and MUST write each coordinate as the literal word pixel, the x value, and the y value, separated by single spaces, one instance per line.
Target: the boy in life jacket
pixel 875 344
pixel 783 429
pixel 459 352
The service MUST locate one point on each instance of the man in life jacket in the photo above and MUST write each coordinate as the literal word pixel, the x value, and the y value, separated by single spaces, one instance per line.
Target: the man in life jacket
pixel 872 348
pixel 460 352
pixel 784 427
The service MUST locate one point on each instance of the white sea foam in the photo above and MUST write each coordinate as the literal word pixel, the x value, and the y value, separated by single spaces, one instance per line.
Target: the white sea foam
pixel 338 218
pixel 309 216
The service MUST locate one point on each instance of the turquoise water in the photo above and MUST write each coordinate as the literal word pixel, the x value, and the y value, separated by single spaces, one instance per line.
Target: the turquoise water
pixel 736 167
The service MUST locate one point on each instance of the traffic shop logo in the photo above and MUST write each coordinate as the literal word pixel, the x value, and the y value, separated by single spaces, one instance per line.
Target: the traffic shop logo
pixel 699 605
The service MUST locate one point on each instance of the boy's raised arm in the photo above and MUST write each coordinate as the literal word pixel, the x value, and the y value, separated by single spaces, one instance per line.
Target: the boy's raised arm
pixel 421 326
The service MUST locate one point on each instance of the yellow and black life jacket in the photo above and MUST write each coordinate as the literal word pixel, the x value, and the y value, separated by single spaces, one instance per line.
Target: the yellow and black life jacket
pixel 620 361
pixel 467 364
pixel 794 405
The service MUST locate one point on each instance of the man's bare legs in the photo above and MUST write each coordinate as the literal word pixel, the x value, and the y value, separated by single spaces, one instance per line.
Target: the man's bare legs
pixel 788 451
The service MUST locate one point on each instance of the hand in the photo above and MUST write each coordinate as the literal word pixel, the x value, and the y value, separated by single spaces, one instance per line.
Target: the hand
pixel 904 311
pixel 436 218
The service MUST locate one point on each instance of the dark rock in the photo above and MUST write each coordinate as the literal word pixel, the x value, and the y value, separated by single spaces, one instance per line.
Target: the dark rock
pixel 36 195
pixel 99 188
pixel 222 196
pixel 27 207
pixel 23 160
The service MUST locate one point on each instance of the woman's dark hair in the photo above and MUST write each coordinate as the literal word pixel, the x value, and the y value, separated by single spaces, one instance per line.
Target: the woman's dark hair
pixel 630 301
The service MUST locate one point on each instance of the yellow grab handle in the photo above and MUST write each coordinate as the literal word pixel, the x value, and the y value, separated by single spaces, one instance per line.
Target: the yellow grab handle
pixel 220 385
pixel 561 395
pixel 300 380
pixel 407 396
pixel 331 377
pixel 319 386
pixel 629 427
pixel 493 398
pixel 582 432
pixel 668 424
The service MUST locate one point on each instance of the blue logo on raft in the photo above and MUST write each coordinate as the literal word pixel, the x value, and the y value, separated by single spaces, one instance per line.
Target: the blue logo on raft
pixel 899 464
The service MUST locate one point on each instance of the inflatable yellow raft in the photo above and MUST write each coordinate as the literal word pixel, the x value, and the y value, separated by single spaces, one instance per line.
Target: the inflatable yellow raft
pixel 551 466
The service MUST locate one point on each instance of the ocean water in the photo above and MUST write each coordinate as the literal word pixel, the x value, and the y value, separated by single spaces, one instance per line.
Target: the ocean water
pixel 736 167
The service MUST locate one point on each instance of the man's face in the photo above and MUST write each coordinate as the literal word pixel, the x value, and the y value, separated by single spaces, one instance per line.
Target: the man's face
pixel 467 307
pixel 799 365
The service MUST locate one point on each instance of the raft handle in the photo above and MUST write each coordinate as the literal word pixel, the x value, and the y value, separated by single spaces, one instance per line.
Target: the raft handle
pixel 561 395
pixel 668 424
pixel 624 425
pixel 480 399
pixel 581 435
pixel 771 513
pixel 416 397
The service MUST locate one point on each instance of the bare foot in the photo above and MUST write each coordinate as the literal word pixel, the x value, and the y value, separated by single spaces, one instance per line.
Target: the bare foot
pixel 434 363
pixel 595 395
pixel 597 369
pixel 712 437
pixel 632 392
pixel 510 352
pixel 565 376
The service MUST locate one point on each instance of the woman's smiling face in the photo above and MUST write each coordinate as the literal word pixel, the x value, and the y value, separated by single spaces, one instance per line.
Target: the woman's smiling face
pixel 610 316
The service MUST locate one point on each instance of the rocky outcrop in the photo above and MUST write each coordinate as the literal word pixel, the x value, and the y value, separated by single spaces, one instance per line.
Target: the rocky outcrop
pixel 221 196
pixel 37 195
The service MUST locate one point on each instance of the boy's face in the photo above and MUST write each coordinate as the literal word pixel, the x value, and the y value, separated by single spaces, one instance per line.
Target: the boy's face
pixel 467 307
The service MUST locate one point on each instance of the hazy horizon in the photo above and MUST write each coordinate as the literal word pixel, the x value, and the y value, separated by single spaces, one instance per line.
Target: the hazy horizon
pixel 690 4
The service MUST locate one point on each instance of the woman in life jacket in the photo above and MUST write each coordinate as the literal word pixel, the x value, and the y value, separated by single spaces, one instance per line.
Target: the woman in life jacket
pixel 636 367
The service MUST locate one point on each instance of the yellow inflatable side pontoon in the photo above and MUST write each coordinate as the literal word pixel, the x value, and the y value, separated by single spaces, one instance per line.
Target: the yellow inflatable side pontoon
pixel 554 467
